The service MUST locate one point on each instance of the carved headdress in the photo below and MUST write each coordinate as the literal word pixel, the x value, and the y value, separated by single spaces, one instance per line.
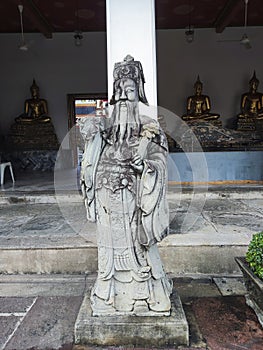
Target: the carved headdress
pixel 254 79
pixel 34 86
pixel 131 69
pixel 198 82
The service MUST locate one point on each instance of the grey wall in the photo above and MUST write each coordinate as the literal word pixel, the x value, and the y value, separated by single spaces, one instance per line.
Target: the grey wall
pixel 61 68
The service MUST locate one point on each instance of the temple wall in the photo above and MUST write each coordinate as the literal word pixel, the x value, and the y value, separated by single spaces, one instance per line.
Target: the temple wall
pixel 224 68
pixel 215 166
pixel 61 68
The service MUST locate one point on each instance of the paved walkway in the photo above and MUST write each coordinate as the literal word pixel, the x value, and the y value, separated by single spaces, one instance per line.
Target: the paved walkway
pixel 229 212
pixel 41 214
pixel 39 312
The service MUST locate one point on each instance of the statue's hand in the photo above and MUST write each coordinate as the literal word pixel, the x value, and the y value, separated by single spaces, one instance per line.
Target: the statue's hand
pixel 137 163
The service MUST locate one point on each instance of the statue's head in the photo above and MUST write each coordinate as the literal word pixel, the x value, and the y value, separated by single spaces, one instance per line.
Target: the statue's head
pixel 254 82
pixel 128 81
pixel 198 86
pixel 34 89
pixel 128 90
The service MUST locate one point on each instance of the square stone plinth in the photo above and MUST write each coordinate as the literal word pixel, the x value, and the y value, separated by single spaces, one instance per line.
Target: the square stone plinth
pixel 140 331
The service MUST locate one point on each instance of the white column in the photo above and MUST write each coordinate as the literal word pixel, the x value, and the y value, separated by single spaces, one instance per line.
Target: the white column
pixel 131 30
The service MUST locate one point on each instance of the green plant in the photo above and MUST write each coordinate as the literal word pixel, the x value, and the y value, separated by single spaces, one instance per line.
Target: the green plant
pixel 254 255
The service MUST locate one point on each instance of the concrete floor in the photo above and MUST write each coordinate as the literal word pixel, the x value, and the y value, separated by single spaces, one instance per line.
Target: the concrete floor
pixel 43 219
pixel 41 227
pixel 39 312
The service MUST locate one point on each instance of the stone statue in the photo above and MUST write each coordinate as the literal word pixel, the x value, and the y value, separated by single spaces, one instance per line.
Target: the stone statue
pixel 198 105
pixel 170 140
pixel 252 101
pixel 36 109
pixel 123 181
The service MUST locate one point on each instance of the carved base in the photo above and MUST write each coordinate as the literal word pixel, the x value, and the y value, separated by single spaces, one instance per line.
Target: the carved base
pixel 195 122
pixel 37 160
pixel 216 123
pixel 140 331
pixel 212 137
pixel 31 136
pixel 248 124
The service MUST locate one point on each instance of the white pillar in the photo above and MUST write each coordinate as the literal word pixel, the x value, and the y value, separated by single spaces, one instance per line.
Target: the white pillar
pixel 131 30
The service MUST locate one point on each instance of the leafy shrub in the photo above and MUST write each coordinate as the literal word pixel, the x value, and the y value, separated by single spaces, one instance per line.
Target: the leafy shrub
pixel 254 255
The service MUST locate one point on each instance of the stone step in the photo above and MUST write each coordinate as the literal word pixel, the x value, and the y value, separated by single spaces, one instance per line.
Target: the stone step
pixel 175 192
pixel 208 230
pixel 182 254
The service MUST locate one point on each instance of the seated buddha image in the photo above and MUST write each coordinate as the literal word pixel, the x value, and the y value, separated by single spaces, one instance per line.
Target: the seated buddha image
pixel 198 105
pixel 36 109
pixel 252 101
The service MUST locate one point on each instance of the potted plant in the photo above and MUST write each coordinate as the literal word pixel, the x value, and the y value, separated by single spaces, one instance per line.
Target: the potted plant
pixel 252 268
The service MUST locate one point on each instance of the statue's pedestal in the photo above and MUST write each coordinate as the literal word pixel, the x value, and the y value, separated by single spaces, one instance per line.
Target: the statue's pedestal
pixel 215 122
pixel 250 124
pixel 140 331
pixel 246 124
pixel 207 136
pixel 33 146
pixel 33 136
pixel 37 160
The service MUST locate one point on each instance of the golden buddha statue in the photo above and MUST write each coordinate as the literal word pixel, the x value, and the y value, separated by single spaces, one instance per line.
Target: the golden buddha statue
pixel 252 101
pixel 35 109
pixel 198 105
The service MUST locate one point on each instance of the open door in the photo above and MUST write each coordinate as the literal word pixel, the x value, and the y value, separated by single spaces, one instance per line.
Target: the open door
pixel 82 106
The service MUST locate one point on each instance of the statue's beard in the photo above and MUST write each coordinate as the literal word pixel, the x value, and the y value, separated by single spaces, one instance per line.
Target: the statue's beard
pixel 125 120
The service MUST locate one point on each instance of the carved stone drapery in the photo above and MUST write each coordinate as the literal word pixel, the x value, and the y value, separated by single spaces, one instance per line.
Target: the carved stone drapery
pixel 123 181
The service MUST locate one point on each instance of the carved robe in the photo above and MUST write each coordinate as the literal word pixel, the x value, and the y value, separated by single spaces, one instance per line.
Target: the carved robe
pixel 131 213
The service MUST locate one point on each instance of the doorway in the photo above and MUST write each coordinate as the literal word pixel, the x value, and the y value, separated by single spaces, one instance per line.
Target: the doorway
pixel 82 106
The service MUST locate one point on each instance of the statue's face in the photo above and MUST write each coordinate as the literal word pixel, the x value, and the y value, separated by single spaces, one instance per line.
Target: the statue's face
pixel 34 92
pixel 126 111
pixel 254 85
pixel 198 89
pixel 126 89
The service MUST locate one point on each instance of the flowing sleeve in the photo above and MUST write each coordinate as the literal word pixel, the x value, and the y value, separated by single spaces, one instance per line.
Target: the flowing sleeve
pixel 153 203
pixel 90 130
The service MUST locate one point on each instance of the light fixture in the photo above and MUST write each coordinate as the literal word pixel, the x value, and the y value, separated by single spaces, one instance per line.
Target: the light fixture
pixel 189 34
pixel 244 39
pixel 23 46
pixel 78 38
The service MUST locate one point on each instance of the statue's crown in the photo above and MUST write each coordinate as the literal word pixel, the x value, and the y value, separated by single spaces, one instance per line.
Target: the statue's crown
pixel 131 69
pixel 34 85
pixel 128 68
pixel 254 78
pixel 198 81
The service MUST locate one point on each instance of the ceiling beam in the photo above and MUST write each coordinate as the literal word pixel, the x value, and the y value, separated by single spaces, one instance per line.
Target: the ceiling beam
pixel 32 11
pixel 225 16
